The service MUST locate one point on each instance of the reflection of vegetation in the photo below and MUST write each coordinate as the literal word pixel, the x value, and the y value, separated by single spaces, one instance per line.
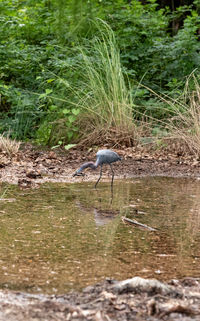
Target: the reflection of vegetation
pixel 4 190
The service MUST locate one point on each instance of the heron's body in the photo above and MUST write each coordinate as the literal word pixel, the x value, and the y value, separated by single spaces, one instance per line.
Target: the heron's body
pixel 104 156
pixel 107 156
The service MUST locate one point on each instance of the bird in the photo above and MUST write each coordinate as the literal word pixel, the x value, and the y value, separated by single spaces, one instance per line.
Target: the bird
pixel 103 156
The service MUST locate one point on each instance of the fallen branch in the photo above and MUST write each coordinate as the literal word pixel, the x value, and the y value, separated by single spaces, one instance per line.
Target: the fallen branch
pixel 134 222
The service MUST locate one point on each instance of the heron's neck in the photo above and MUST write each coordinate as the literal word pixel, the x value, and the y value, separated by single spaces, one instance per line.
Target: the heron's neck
pixel 88 164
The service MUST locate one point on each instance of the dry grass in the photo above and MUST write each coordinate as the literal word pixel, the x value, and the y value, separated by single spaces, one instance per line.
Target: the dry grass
pixel 185 125
pixel 112 136
pixel 9 146
pixel 108 136
pixel 182 127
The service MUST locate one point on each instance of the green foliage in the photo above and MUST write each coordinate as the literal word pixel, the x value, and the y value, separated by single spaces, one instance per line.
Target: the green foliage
pixel 148 51
pixel 22 116
pixel 41 65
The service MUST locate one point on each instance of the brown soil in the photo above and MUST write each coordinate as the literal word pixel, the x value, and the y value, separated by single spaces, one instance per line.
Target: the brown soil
pixel 31 166
pixel 110 300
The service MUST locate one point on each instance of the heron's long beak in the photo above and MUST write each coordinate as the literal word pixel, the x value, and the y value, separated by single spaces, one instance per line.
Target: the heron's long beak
pixel 78 174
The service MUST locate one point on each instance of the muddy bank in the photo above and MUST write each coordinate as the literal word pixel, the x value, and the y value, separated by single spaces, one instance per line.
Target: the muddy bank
pixel 31 166
pixel 133 299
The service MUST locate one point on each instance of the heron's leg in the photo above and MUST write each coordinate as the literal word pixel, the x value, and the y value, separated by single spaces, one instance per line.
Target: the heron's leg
pixel 112 176
pixel 99 177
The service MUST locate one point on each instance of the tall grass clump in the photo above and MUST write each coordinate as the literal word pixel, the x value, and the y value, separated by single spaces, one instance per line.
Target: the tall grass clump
pixel 104 95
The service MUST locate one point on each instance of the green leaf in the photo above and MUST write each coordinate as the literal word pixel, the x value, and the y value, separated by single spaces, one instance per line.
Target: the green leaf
pixel 48 91
pixel 67 147
pixel 42 96
pixel 75 111
pixel 71 118
pixel 50 80
pixel 70 134
pixel 53 107
pixel 65 111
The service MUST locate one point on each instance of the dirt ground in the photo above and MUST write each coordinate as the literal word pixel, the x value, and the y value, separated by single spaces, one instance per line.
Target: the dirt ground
pixel 32 166
pixel 135 299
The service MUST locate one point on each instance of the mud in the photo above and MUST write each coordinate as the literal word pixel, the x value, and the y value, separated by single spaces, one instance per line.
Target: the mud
pixel 133 299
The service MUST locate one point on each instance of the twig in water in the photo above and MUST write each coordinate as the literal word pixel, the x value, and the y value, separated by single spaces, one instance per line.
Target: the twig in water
pixel 134 222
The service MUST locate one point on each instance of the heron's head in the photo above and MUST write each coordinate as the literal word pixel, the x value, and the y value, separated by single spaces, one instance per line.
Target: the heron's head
pixel 77 173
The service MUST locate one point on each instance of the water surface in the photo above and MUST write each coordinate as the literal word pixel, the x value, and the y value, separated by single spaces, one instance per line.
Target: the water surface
pixel 67 236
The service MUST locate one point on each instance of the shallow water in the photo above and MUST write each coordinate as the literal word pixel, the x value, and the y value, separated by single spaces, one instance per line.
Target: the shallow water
pixel 67 236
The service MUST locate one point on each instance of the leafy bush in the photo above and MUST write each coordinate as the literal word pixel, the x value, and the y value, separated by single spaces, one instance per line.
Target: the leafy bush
pixel 41 66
